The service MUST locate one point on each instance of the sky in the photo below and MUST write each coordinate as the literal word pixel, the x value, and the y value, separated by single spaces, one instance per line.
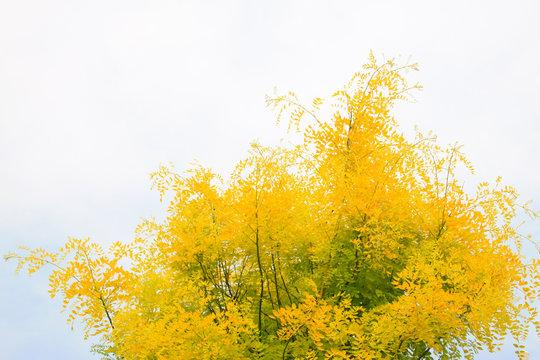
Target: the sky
pixel 95 95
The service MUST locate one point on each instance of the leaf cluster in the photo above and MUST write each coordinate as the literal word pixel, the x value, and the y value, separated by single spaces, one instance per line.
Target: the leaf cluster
pixel 355 244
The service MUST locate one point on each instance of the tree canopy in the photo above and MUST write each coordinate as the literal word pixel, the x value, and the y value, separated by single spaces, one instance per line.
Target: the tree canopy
pixel 354 243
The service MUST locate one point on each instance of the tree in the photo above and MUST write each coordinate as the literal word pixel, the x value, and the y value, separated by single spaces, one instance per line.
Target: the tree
pixel 354 244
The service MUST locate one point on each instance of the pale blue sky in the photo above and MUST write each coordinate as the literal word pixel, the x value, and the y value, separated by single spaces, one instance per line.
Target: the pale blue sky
pixel 96 94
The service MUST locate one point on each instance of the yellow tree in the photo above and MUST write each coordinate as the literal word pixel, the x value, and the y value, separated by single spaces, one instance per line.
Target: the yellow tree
pixel 356 243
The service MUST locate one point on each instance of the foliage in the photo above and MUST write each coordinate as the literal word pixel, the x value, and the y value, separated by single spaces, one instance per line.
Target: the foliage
pixel 355 244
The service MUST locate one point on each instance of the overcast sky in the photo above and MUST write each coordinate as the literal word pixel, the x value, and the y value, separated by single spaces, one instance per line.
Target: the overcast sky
pixel 94 95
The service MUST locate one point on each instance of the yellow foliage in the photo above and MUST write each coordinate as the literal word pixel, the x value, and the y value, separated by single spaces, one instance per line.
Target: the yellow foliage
pixel 355 244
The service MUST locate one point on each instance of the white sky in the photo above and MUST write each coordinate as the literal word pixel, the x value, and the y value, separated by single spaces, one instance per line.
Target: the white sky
pixel 94 95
